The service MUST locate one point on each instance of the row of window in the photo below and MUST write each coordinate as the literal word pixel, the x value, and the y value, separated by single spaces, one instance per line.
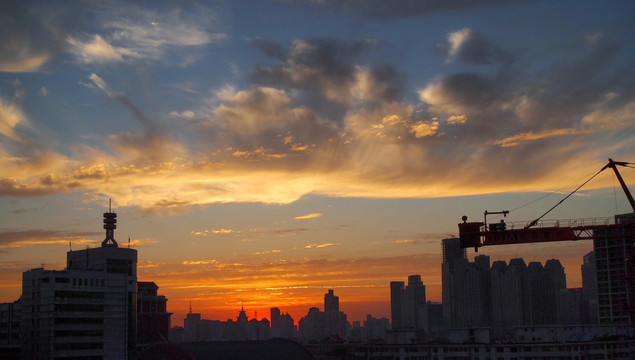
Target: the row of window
pixel 78 333
pixel 79 294
pixel 79 346
pixel 79 307
pixel 88 282
pixel 78 321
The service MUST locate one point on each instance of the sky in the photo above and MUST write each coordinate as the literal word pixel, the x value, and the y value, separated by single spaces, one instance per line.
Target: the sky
pixel 259 153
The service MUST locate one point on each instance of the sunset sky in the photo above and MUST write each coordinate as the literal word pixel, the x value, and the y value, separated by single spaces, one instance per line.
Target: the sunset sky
pixel 263 152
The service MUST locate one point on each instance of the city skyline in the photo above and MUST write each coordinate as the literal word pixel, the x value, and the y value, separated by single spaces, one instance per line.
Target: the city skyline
pixel 265 152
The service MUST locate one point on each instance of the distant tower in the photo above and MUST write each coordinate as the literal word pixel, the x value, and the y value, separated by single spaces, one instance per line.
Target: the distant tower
pixel 397 289
pixel 415 297
pixel 334 320
pixel 331 302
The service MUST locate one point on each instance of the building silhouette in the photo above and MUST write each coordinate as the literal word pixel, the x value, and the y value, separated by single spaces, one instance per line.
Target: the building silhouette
pixel 589 290
pixel 311 327
pixel 282 325
pixel 504 296
pixel 374 330
pixel 335 322
pixel 10 318
pixel 508 295
pixel 397 289
pixel 466 292
pixel 407 303
pixel 153 319
pixel 87 310
pixel 612 274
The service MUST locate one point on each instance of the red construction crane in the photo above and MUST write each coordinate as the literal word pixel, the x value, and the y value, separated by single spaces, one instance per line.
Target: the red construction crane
pixel 477 234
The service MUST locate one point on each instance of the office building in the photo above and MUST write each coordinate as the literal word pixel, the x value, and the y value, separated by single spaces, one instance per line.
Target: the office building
pixel 87 310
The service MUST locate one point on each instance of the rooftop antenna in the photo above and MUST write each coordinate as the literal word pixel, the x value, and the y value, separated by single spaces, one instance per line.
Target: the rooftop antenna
pixel 110 224
pixel 128 242
pixel 70 247
pixel 190 306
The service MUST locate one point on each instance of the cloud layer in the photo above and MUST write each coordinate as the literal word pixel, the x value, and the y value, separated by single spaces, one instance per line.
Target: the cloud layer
pixel 315 116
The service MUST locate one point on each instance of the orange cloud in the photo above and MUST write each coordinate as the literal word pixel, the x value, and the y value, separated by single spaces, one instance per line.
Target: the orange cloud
pixel 518 139
pixel 308 216
pixel 319 246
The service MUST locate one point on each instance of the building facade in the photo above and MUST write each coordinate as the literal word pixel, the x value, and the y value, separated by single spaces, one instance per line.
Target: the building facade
pixel 612 274
pixel 86 311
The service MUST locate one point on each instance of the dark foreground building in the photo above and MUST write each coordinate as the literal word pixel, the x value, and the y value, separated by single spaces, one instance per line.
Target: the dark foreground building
pixel 276 349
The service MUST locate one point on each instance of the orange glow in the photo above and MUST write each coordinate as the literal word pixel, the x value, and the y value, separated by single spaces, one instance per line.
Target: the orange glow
pixel 218 290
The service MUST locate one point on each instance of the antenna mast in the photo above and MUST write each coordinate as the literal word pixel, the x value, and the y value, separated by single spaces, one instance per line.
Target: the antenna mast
pixel 110 224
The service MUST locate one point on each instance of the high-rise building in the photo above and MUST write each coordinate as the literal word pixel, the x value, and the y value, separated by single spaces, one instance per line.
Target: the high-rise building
pixel 282 325
pixel 570 310
pixel 415 301
pixel 375 329
pixel 452 250
pixel 507 295
pixel 331 302
pixel 335 320
pixel 311 327
pixel 433 320
pixel 191 326
pixel 556 282
pixel 612 274
pixel 407 303
pixel 466 289
pixel 589 290
pixel 397 304
pixel 86 311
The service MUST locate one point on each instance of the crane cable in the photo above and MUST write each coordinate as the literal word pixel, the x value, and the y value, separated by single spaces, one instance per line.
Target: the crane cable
pixel 560 202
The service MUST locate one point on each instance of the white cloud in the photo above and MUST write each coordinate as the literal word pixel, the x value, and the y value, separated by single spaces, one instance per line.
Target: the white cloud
pixel 98 50
pixel 457 39
pixel 187 114
pixel 141 34
pixel 10 117
pixel 606 117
